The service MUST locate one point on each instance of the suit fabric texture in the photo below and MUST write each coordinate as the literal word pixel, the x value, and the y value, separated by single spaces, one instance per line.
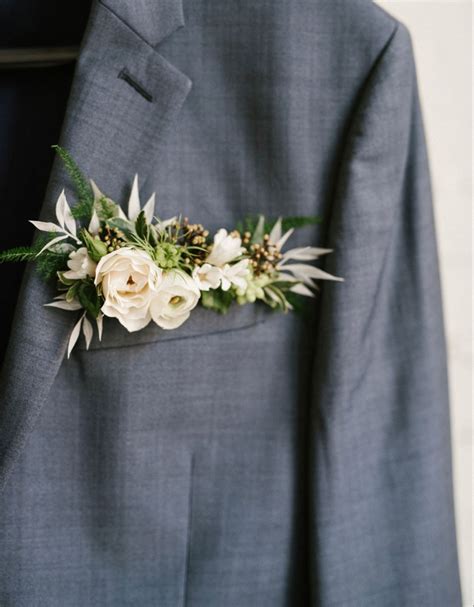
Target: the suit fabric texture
pixel 252 459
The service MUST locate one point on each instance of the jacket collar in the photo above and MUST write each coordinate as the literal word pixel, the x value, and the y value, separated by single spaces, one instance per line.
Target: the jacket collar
pixel 151 20
pixel 124 100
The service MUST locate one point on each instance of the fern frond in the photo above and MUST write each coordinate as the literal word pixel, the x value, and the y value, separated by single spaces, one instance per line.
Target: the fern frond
pixel 18 254
pixel 85 205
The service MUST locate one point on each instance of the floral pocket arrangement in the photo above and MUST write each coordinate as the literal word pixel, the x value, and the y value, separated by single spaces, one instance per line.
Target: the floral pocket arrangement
pixel 138 268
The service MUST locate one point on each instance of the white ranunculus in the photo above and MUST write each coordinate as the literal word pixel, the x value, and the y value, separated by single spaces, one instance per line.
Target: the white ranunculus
pixel 225 249
pixel 129 280
pixel 177 295
pixel 235 275
pixel 80 265
pixel 207 276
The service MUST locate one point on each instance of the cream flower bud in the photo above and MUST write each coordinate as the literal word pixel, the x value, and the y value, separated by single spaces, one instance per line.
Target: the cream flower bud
pixel 235 275
pixel 207 276
pixel 80 265
pixel 225 249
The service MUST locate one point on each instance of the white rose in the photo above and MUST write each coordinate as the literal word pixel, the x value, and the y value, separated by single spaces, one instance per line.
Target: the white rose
pixel 207 277
pixel 130 280
pixel 226 248
pixel 177 295
pixel 80 265
pixel 235 275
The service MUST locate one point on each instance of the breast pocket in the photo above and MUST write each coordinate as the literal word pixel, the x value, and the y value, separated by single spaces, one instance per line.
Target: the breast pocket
pixel 201 322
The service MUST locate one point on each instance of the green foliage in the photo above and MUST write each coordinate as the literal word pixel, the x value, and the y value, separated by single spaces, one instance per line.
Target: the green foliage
pixel 49 263
pixel 302 306
pixel 217 300
pixel 88 297
pixel 141 227
pixel 299 222
pixel 105 208
pixel 85 205
pixel 18 254
pixel 250 223
pixel 123 225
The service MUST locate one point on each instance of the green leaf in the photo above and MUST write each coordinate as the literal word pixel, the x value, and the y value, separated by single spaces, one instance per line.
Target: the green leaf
pixel 249 224
pixel 89 298
pixel 85 206
pixel 49 263
pixel 123 225
pixel 141 226
pixel 217 300
pixel 106 208
pixel 299 222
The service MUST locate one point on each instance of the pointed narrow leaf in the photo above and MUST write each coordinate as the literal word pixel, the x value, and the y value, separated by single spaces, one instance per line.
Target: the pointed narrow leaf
pixel 304 253
pixel 51 243
pixel 74 335
pixel 304 272
pixel 60 209
pixel 68 218
pixel 95 190
pixel 100 325
pixel 275 234
pixel 46 226
pixel 121 214
pixel 94 224
pixel 301 289
pixel 87 331
pixel 64 215
pixel 284 238
pixel 258 232
pixel 70 306
pixel 149 208
pixel 134 201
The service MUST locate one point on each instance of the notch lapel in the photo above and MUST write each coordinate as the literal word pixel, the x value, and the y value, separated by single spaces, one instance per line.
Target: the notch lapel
pixel 124 98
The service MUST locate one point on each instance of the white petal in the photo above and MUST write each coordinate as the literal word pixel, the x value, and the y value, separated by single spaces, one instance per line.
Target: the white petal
pixel 65 305
pixel 100 325
pixel 302 290
pixel 74 336
pixel 94 224
pixel 275 234
pixel 149 208
pixel 87 331
pixel 134 201
pixel 52 242
pixel 46 226
pixel 281 241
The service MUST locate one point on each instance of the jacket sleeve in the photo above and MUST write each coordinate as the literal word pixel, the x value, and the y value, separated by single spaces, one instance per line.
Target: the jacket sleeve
pixel 382 528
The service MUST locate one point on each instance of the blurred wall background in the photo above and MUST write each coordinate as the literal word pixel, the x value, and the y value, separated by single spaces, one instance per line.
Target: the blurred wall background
pixel 442 37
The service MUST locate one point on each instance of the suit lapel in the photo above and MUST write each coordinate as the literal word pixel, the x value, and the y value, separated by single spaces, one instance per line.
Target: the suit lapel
pixel 124 98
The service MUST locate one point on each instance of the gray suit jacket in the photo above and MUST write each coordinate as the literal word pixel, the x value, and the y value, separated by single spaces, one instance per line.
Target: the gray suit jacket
pixel 253 459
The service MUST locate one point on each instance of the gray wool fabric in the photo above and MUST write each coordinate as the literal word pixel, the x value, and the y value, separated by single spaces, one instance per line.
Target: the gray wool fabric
pixel 253 459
